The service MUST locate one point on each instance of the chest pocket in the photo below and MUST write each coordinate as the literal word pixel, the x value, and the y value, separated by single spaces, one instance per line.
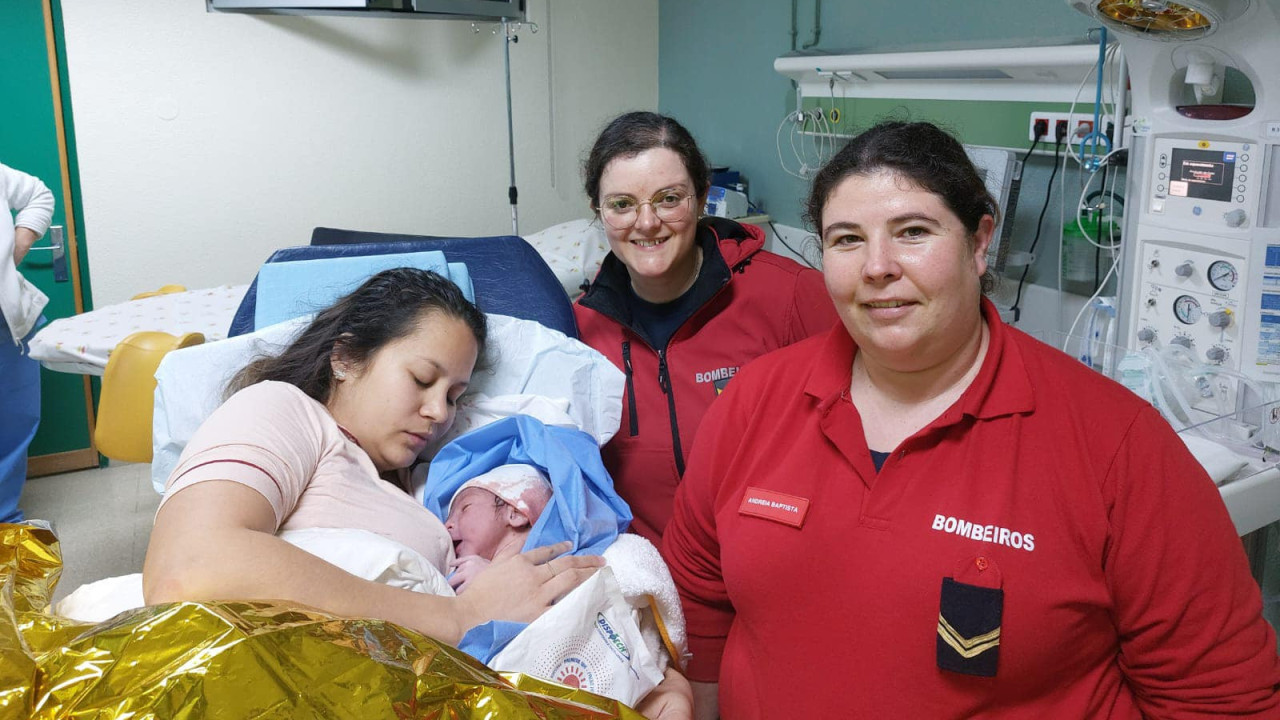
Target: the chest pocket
pixel 970 610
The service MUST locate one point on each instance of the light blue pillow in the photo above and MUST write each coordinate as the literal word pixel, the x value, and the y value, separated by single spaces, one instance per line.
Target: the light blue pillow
pixel 287 290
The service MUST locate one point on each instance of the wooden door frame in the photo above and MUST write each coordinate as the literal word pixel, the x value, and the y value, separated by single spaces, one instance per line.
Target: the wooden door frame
pixel 86 457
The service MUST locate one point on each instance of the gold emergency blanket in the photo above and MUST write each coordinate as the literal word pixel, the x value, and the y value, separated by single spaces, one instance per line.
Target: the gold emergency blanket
pixel 239 660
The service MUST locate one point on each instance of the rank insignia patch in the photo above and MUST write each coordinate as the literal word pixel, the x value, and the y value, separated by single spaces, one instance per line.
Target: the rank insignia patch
pixel 969 628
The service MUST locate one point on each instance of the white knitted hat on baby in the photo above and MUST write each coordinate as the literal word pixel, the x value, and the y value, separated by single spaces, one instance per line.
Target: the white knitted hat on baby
pixel 525 487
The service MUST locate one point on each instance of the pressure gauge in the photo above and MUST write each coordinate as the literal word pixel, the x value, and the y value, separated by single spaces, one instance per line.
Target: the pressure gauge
pixel 1187 309
pixel 1223 275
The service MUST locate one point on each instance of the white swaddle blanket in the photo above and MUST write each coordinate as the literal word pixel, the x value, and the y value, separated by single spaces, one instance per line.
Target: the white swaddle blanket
pixel 614 635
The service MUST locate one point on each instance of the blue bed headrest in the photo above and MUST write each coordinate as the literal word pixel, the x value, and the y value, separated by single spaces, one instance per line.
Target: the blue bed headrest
pixel 509 277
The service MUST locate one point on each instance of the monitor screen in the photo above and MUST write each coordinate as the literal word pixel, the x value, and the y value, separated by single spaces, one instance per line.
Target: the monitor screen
pixel 1202 174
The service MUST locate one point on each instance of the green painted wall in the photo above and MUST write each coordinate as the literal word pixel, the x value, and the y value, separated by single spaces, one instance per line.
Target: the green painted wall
pixel 721 83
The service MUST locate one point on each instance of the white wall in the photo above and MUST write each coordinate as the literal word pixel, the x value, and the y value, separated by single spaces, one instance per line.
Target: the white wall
pixel 206 141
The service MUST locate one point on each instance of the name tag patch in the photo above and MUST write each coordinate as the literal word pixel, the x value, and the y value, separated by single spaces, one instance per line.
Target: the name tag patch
pixel 775 506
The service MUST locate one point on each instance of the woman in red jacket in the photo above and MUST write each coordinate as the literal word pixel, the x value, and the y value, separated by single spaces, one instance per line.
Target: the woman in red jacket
pixel 680 303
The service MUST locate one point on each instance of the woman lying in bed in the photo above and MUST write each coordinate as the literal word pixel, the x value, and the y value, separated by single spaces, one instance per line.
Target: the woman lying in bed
pixel 322 436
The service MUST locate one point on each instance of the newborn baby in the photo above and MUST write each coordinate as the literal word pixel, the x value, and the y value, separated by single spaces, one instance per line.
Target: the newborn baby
pixel 490 517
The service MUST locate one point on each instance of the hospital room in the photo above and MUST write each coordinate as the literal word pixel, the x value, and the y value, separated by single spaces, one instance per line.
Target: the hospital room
pixel 640 359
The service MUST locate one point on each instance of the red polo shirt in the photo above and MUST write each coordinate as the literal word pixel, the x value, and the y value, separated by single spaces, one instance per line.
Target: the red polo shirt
pixel 1048 502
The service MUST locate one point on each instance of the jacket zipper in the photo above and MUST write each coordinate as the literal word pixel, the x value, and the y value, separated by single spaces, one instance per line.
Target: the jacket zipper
pixel 631 389
pixel 664 381
pixel 664 377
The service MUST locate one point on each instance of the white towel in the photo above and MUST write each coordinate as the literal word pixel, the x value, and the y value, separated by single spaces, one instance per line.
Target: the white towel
pixel 641 573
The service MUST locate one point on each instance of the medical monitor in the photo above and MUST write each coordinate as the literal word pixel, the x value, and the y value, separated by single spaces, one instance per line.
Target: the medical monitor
pixel 1202 174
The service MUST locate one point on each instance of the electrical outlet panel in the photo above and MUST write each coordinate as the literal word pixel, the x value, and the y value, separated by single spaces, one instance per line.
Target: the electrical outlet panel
pixel 1078 125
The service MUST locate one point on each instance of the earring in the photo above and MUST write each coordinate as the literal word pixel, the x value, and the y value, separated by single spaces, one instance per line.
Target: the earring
pixel 339 374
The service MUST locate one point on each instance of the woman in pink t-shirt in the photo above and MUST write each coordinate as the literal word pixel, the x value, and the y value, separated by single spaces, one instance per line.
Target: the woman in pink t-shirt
pixel 322 436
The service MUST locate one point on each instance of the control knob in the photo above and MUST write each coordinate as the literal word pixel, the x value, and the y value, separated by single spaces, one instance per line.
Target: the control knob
pixel 1216 354
pixel 1147 335
pixel 1186 269
pixel 1183 340
pixel 1235 218
pixel 1220 318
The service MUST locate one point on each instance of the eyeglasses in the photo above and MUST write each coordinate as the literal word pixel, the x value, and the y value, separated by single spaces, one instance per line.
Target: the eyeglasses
pixel 621 211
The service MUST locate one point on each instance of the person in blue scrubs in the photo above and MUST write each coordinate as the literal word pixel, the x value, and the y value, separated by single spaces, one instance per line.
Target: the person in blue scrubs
pixel 28 210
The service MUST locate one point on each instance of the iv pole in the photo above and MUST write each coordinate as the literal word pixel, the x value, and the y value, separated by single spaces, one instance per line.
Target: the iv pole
pixel 509 30
pixel 508 38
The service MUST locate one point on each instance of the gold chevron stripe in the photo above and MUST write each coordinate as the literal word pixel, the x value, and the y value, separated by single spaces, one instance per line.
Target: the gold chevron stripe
pixel 967 647
pixel 967 642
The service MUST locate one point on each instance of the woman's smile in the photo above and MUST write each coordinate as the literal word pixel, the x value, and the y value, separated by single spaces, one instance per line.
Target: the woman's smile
pixel 649 243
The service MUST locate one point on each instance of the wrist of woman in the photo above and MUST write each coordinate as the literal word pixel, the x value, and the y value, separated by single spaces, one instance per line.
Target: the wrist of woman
pixel 463 616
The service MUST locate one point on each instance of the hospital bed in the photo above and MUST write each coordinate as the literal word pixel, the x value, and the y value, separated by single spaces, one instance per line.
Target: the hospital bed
pixel 390 665
pixel 83 343
pixel 139 332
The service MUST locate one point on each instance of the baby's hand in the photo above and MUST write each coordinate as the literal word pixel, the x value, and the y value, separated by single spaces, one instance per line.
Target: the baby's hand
pixel 465 568
pixel 521 588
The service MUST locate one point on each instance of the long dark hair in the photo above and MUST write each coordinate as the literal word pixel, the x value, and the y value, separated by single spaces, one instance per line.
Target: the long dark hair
pixel 632 133
pixel 387 307
pixel 924 154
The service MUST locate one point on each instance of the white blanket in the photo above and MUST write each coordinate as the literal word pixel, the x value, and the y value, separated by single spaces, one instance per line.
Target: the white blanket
pixel 360 552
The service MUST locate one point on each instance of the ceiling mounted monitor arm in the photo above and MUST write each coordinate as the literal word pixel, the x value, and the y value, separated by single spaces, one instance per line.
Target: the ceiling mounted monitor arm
pixel 480 10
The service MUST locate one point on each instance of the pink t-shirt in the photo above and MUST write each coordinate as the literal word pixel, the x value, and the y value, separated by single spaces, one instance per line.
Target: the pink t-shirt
pixel 275 439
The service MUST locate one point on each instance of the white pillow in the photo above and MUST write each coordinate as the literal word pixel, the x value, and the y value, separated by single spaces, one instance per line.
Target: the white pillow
pixel 526 358
pixel 573 250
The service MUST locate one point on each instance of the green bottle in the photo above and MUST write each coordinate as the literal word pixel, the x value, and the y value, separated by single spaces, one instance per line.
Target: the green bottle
pixel 1079 254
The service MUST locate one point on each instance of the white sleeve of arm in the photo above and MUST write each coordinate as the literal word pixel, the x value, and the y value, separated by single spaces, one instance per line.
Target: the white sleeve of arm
pixel 30 197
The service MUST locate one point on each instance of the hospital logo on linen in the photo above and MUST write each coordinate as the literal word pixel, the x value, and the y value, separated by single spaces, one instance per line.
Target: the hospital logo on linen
pixel 612 638
pixel 575 672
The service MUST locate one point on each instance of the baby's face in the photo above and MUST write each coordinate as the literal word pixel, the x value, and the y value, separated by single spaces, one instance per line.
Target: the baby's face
pixel 477 523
